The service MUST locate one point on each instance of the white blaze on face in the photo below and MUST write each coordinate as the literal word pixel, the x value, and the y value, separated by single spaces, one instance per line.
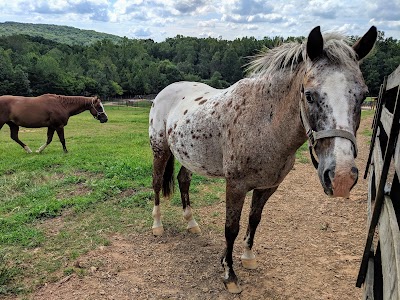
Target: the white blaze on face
pixel 104 111
pixel 335 88
pixel 336 91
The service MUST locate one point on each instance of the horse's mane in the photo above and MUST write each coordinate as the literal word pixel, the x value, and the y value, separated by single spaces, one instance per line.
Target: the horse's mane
pixel 290 55
pixel 72 99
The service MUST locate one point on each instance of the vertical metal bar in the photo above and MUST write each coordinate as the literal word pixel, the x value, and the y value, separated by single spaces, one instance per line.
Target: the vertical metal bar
pixel 377 118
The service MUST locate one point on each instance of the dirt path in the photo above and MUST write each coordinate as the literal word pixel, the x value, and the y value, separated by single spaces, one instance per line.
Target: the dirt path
pixel 308 247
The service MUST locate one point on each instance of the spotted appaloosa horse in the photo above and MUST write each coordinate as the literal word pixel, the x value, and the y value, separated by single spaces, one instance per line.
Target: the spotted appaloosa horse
pixel 49 110
pixel 249 133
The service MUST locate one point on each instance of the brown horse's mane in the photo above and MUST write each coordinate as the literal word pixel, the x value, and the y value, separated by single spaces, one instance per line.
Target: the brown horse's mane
pixel 289 56
pixel 66 100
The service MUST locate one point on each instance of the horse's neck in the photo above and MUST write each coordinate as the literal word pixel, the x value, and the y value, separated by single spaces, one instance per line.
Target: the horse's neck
pixel 75 105
pixel 282 95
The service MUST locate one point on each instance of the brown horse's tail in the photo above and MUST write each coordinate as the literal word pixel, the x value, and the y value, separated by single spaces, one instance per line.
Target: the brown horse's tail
pixel 168 177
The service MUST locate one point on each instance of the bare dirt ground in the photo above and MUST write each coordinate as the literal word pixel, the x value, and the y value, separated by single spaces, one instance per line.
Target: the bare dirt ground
pixel 308 246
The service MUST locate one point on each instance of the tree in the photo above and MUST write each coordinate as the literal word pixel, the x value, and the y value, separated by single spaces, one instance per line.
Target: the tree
pixel 230 66
pixel 6 72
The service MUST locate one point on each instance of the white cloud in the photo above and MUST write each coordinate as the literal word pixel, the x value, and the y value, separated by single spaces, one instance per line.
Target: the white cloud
pixel 230 19
pixel 209 23
pixel 141 32
pixel 252 27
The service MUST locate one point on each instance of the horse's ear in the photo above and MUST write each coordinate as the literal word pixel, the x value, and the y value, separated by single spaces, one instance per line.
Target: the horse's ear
pixel 365 44
pixel 315 43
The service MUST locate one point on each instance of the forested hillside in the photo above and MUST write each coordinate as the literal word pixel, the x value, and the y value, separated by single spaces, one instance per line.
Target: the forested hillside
pixel 34 65
pixel 61 34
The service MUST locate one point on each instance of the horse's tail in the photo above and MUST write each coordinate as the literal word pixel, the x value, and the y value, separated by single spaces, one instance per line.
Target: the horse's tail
pixel 168 178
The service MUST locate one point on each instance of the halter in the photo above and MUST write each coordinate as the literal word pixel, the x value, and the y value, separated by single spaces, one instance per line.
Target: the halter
pixel 314 136
pixel 98 112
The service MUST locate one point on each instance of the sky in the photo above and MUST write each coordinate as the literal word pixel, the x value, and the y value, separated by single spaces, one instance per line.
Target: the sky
pixel 226 19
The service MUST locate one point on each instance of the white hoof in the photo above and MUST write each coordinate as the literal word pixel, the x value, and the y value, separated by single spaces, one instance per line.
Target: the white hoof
pixel 249 263
pixel 27 149
pixel 194 229
pixel 233 288
pixel 158 231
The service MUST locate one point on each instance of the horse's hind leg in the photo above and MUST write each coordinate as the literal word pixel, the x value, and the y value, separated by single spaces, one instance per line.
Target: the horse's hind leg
pixel 14 135
pixel 258 201
pixel 60 133
pixel 50 133
pixel 184 178
pixel 163 163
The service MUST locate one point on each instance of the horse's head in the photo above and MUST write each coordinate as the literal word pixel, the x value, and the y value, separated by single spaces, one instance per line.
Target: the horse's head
pixel 332 93
pixel 97 110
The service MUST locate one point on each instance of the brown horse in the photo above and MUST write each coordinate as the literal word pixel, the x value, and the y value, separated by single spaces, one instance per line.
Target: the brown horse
pixel 249 132
pixel 49 110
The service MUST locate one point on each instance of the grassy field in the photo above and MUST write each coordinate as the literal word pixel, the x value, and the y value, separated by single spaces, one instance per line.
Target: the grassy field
pixel 54 207
pixel 103 185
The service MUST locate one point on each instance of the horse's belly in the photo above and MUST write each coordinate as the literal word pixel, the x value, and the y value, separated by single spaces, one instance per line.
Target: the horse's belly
pixel 197 151
pixel 27 116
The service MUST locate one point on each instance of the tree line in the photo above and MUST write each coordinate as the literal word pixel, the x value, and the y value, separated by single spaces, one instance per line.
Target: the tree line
pixel 33 66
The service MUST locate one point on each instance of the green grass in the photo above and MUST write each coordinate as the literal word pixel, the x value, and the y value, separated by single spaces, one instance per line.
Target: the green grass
pixel 54 207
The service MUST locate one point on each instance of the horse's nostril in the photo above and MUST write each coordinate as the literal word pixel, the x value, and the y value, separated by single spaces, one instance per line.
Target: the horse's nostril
pixel 328 176
pixel 354 170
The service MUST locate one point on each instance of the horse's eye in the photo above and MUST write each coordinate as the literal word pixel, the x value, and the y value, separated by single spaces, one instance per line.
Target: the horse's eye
pixel 309 98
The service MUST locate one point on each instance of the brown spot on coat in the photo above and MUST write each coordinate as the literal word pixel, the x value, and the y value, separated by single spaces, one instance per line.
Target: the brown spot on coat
pixel 202 102
pixel 169 131
pixel 199 98
pixel 185 112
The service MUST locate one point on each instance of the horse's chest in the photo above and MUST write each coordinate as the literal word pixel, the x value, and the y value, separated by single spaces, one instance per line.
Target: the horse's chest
pixel 261 164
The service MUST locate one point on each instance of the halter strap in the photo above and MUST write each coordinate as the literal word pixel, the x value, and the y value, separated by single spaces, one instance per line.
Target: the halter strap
pixel 314 136
pixel 94 107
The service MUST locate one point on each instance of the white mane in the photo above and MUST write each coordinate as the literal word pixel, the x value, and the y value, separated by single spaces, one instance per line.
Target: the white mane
pixel 290 55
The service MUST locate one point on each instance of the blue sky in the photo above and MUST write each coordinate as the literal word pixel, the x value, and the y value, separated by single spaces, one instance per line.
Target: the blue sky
pixel 228 19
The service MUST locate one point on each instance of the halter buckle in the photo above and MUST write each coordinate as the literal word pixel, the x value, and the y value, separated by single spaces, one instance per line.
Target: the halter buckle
pixel 311 137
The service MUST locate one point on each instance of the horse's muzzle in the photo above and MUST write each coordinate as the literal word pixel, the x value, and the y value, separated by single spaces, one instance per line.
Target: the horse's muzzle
pixel 102 117
pixel 337 182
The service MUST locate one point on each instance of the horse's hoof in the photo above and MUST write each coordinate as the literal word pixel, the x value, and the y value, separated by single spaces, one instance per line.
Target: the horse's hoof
pixel 194 230
pixel 27 149
pixel 250 264
pixel 233 287
pixel 158 231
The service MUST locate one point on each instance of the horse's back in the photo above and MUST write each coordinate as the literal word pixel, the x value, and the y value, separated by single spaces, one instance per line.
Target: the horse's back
pixel 181 120
pixel 28 112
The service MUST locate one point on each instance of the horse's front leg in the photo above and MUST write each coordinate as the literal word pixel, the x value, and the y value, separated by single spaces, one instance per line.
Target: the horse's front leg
pixel 50 133
pixel 14 136
pixel 235 195
pixel 184 179
pixel 258 201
